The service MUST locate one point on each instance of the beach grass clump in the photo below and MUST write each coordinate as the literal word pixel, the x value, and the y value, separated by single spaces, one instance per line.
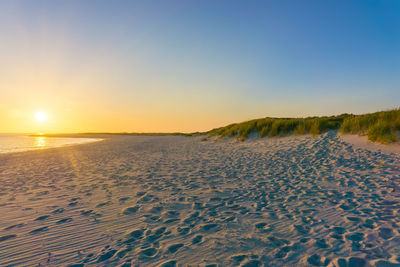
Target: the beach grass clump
pixel 382 132
pixel 300 129
pixel 380 126
pixel 316 128
pixel 278 127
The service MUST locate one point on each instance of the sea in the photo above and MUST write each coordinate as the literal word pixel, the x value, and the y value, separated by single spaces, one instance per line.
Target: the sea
pixel 10 143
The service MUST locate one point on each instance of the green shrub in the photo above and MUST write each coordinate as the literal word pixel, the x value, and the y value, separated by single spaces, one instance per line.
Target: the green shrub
pixel 300 129
pixel 382 132
pixel 274 128
pixel 315 128
pixel 264 131
pixel 379 126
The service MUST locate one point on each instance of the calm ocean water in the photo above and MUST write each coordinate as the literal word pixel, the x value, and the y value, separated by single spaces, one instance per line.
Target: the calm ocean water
pixel 17 142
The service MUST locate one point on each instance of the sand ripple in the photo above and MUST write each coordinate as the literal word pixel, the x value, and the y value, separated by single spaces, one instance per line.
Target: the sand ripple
pixel 172 201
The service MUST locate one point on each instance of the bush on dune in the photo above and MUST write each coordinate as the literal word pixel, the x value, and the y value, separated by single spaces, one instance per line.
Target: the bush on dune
pixel 382 132
pixel 300 129
pixel 316 128
pixel 379 126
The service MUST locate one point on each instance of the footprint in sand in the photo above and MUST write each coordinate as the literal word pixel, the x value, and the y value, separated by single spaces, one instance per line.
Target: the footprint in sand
pixel 174 220
pixel 57 211
pixel 6 237
pixel 19 225
pixel 103 204
pixel 386 233
pixel 301 229
pixel 123 252
pixel 86 212
pixel 383 263
pixel 122 200
pixel 209 227
pixel 134 235
pixel 156 209
pixel 107 255
pixel 316 260
pixel 353 261
pixel 283 252
pixel 73 204
pixel 252 263
pixel 192 218
pixel 64 220
pixel 156 235
pixel 353 219
pixel 197 239
pixel 278 242
pixel 183 230
pixel 171 214
pixel 39 230
pixel 139 194
pixel 174 248
pixel 260 225
pixel 149 252
pixel 130 210
pixel 369 224
pixel 170 263
pixel 263 227
pixel 356 237
pixel 239 258
pixel 339 230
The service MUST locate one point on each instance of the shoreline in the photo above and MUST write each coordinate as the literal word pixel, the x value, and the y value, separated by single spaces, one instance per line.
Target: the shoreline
pixel 357 141
pixel 83 141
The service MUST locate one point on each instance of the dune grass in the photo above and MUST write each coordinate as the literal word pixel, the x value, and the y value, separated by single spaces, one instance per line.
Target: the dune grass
pixel 379 126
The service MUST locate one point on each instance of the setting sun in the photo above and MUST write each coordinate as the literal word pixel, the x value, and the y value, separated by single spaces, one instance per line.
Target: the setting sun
pixel 40 116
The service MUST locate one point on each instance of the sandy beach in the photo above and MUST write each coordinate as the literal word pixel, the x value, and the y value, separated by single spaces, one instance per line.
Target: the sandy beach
pixel 177 201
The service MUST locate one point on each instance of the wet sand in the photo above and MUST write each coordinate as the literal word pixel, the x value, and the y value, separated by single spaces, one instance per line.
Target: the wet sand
pixel 177 201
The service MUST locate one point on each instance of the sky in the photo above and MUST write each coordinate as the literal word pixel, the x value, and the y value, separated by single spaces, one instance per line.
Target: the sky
pixel 193 65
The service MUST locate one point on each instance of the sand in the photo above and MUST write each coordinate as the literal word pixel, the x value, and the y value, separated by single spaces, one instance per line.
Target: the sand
pixel 362 142
pixel 166 201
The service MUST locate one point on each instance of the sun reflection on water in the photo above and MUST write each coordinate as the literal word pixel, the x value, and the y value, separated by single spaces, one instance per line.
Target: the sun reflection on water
pixel 40 141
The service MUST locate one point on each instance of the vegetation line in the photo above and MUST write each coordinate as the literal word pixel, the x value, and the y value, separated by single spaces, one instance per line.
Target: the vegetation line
pixel 380 126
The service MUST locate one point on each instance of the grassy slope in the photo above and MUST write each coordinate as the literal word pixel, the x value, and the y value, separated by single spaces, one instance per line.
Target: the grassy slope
pixel 379 126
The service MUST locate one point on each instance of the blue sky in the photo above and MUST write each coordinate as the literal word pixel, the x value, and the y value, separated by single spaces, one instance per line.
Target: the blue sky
pixel 195 65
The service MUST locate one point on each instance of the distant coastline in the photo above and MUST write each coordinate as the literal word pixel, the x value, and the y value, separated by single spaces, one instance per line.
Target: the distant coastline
pixel 381 127
pixel 79 135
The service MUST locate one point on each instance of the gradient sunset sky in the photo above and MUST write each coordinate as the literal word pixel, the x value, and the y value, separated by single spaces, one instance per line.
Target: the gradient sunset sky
pixel 162 66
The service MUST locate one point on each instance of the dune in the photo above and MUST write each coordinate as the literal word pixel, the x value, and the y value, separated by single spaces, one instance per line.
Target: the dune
pixel 362 142
pixel 327 200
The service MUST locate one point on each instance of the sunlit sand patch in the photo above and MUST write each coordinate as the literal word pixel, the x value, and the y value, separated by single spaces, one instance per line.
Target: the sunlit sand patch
pixel 170 201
